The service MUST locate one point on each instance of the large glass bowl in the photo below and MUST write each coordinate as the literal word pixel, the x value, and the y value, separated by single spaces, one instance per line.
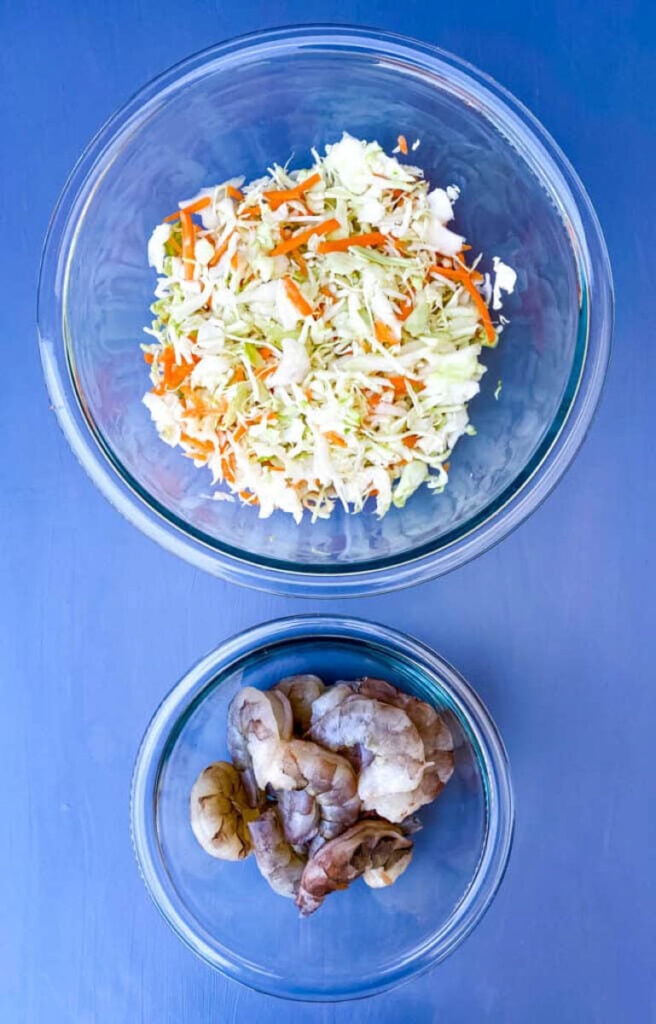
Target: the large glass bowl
pixel 234 109
pixel 360 941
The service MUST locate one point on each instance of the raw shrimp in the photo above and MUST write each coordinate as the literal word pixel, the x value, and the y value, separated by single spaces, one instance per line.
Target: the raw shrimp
pixel 369 846
pixel 258 722
pixel 220 812
pixel 329 699
pixel 278 862
pixel 301 691
pixel 329 781
pixel 438 748
pixel 384 741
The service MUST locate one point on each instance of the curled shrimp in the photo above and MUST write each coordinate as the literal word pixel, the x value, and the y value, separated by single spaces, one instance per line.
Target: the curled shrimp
pixel 279 864
pixel 301 691
pixel 438 749
pixel 380 739
pixel 258 723
pixel 371 847
pixel 329 699
pixel 317 777
pixel 220 812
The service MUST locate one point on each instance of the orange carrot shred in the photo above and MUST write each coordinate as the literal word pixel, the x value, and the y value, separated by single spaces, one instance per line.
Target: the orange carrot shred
pixel 218 253
pixel 384 333
pixel 302 265
pixel 463 277
pixel 337 439
pixel 411 440
pixel 296 297
pixel 370 238
pixel 403 145
pixel 405 310
pixel 188 244
pixel 235 193
pixel 200 204
pixel 279 196
pixel 149 358
pixel 289 244
pixel 202 446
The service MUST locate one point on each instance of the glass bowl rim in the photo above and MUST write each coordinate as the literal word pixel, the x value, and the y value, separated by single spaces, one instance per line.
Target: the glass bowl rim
pixel 189 692
pixel 531 486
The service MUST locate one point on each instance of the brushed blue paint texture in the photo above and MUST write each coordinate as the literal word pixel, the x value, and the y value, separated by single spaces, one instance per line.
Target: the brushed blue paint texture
pixel 555 627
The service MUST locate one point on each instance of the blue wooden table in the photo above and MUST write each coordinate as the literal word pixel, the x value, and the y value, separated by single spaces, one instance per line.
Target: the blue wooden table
pixel 555 627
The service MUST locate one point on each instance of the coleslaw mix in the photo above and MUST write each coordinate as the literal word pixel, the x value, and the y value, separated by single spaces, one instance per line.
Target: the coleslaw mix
pixel 318 333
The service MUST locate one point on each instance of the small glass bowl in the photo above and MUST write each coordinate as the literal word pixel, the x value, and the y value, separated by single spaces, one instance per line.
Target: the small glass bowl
pixel 235 109
pixel 363 940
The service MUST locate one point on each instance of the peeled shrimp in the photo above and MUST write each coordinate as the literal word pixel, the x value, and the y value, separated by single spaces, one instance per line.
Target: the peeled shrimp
pixel 329 699
pixel 318 776
pixel 301 691
pixel 371 846
pixel 385 743
pixel 220 812
pixel 258 722
pixel 438 749
pixel 278 862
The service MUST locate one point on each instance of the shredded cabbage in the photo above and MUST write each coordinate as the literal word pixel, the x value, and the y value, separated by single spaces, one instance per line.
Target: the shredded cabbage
pixel 328 368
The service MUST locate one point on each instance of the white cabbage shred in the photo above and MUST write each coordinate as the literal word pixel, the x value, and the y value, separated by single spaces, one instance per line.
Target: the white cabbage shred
pixel 302 374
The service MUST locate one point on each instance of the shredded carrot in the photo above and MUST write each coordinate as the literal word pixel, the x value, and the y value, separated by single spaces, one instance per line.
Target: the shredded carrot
pixel 279 196
pixel 335 439
pixel 202 446
pixel 248 497
pixel 266 371
pixel 398 383
pixel 218 253
pixel 228 468
pixel 300 262
pixel 328 292
pixel 234 193
pixel 239 432
pixel 200 204
pixel 173 373
pixel 239 375
pixel 446 466
pixel 398 245
pixel 289 244
pixel 384 333
pixel 370 238
pixel 266 353
pixel 296 297
pixel 463 277
pixel 374 399
pixel 308 394
pixel 411 440
pixel 403 145
pixel 234 260
pixel 188 244
pixel 406 307
pixel 251 212
pixel 149 358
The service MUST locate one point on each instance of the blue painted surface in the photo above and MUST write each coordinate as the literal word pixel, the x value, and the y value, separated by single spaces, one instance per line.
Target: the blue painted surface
pixel 554 627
